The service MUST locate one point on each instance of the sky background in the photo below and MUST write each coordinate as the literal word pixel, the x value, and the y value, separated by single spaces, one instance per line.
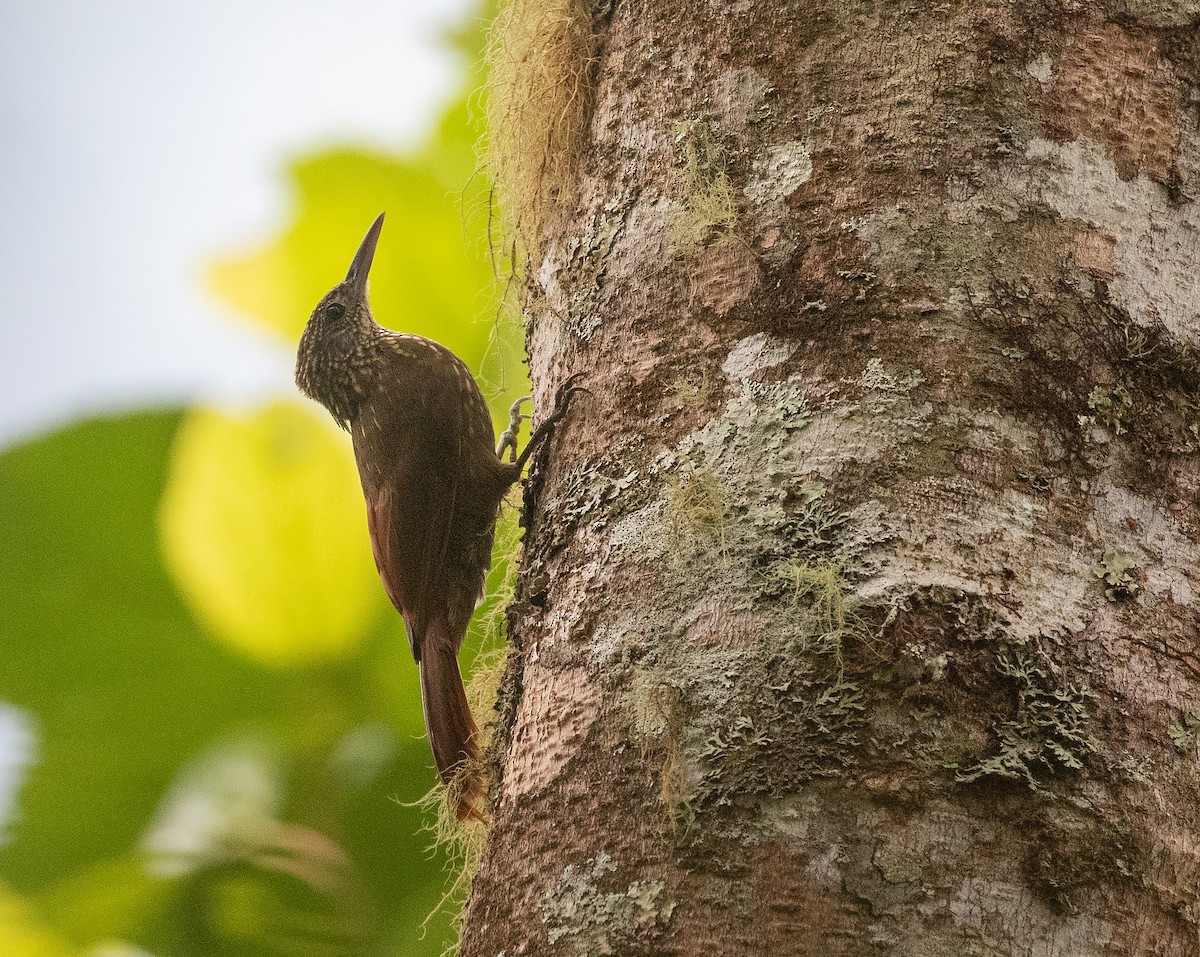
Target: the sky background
pixel 141 140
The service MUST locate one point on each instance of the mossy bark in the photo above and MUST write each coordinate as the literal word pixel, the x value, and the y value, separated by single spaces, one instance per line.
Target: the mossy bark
pixel 860 608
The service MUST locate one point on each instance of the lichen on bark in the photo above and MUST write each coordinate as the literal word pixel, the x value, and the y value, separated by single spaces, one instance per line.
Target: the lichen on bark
pixel 859 608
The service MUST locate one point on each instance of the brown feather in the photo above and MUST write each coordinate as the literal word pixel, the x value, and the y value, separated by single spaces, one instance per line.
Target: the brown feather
pixel 448 722
pixel 432 481
pixel 433 491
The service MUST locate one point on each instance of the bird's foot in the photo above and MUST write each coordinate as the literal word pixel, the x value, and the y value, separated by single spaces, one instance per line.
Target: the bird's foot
pixel 562 399
pixel 508 440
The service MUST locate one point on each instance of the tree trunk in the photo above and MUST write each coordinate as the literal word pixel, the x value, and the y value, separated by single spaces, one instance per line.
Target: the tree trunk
pixel 859 610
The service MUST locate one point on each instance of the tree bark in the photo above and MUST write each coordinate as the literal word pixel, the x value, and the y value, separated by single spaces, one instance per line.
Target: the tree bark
pixel 859 609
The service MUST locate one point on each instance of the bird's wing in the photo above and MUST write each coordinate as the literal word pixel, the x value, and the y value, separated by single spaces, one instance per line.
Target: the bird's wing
pixel 409 474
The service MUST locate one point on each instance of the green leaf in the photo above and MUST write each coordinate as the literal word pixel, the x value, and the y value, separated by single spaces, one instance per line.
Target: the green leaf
pixel 116 679
pixel 109 901
pixel 264 530
pixel 23 931
pixel 431 275
pixel 124 693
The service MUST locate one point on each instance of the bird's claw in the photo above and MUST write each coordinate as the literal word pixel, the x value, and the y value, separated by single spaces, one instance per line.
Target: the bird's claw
pixel 562 396
pixel 508 439
pixel 568 388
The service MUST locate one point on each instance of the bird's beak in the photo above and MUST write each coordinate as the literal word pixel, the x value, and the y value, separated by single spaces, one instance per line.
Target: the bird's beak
pixel 360 268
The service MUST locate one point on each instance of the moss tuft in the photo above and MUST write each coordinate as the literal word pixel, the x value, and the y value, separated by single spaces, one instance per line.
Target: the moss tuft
pixel 821 586
pixel 462 842
pixel 658 717
pixel 697 511
pixel 707 213
pixel 539 62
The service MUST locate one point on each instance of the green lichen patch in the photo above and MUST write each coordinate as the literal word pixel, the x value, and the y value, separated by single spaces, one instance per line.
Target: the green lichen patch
pixel 1119 574
pixel 785 712
pixel 1184 732
pixel 808 564
pixel 597 492
pixel 754 428
pixel 812 531
pixel 955 691
pixel 877 378
pixel 768 705
pixel 1046 736
pixel 735 489
pixel 694 390
pixel 753 688
pixel 1111 408
pixel 791 725
pixel 583 918
pixel 779 173
pixel 584 267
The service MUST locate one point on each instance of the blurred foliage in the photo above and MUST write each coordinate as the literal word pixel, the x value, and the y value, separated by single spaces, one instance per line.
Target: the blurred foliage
pixel 263 528
pixel 23 932
pixel 433 273
pixel 224 717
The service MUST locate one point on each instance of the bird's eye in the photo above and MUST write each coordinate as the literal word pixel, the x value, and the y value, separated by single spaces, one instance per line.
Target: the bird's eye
pixel 335 310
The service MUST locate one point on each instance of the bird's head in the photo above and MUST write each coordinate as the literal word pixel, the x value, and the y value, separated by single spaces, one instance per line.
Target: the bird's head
pixel 334 337
pixel 346 303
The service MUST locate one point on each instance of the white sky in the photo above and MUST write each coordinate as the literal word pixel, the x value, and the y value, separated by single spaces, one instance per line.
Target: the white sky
pixel 139 139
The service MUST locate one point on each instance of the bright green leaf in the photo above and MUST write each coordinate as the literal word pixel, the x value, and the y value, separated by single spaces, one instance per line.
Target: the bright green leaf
pixel 263 529
pixel 431 275
pixel 112 900
pixel 115 680
pixel 23 933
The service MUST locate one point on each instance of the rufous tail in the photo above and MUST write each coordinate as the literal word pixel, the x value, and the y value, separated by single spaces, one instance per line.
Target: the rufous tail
pixel 449 724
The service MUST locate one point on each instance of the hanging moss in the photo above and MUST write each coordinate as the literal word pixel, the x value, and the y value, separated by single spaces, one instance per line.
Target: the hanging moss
pixel 538 96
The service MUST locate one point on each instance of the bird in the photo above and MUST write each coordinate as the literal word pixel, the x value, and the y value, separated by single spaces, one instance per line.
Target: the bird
pixel 433 484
